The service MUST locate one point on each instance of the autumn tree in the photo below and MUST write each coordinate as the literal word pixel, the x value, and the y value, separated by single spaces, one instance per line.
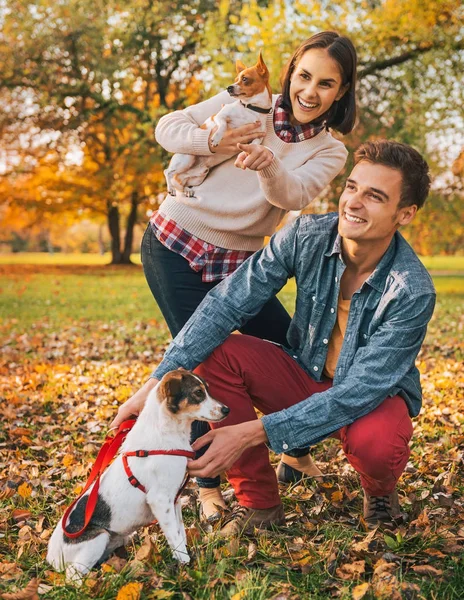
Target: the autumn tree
pixel 88 79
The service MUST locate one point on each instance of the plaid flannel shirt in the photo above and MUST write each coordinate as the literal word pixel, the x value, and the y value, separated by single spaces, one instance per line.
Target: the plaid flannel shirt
pixel 214 262
pixel 292 133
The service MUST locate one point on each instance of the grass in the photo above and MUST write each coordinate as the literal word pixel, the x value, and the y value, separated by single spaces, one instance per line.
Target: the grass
pixel 76 340
pixel 434 263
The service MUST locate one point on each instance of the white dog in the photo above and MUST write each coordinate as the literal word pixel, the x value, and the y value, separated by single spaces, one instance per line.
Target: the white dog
pixel 254 103
pixel 146 488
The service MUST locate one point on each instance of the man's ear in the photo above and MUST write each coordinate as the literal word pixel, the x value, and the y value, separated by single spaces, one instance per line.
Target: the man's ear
pixel 239 66
pixel 407 214
pixel 342 91
pixel 171 388
pixel 261 67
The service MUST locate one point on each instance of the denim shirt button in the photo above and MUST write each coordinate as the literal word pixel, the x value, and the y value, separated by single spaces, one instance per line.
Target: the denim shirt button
pixel 365 336
pixel 314 298
pixel 316 368
pixel 325 340
pixel 336 279
pixel 332 310
pixel 285 446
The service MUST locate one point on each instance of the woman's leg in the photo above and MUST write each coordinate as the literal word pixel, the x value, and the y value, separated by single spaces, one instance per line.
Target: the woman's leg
pixel 178 290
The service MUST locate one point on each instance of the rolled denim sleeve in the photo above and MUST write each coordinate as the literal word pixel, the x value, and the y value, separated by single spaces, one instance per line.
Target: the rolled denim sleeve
pixel 233 302
pixel 377 371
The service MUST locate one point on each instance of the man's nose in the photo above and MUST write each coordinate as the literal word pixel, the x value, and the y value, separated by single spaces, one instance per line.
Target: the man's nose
pixel 354 201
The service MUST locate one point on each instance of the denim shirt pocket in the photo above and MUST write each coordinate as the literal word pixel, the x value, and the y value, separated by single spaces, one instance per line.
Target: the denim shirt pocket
pixel 307 315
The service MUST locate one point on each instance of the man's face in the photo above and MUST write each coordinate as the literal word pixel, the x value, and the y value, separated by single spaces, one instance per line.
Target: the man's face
pixel 369 204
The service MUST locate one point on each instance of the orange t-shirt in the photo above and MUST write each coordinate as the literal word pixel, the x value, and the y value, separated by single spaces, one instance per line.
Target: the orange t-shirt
pixel 336 339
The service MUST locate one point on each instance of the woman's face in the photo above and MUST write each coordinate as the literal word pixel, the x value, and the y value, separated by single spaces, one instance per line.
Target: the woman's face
pixel 315 84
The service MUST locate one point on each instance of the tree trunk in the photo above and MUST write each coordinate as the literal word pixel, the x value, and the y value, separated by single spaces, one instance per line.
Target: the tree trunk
pixel 129 237
pixel 115 233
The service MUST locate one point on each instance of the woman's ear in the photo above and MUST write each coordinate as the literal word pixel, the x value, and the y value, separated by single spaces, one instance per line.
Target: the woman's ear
pixel 342 91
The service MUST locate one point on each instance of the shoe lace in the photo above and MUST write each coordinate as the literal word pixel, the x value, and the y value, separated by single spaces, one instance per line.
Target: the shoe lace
pixel 379 503
pixel 237 514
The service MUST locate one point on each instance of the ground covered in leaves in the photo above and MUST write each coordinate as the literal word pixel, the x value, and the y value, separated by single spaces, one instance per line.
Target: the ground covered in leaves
pixel 75 342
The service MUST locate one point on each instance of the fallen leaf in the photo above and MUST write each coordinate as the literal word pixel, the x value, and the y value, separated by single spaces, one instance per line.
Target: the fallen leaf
pixel 20 515
pixel 427 570
pixel 27 593
pixel 24 490
pixel 130 591
pixel 351 570
pixel 360 591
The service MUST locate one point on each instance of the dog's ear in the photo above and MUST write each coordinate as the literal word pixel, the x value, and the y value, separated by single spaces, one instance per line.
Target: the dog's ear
pixel 239 66
pixel 171 389
pixel 261 67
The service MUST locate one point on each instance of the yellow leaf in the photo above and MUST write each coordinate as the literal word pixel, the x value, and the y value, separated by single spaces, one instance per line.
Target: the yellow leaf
pixel 161 594
pixel 68 459
pixel 239 595
pixel 24 490
pixel 130 591
pixel 360 591
pixel 337 496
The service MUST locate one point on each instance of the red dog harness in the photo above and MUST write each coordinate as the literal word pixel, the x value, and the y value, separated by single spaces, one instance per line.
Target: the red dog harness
pixel 107 452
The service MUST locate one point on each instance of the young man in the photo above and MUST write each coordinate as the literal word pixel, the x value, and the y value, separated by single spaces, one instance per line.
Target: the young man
pixel 362 307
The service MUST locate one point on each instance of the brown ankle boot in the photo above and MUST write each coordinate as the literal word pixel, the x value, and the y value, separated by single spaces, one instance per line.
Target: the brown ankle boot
pixel 382 510
pixel 243 520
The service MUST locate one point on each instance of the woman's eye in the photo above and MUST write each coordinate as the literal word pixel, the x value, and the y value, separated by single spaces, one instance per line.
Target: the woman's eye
pixel 304 76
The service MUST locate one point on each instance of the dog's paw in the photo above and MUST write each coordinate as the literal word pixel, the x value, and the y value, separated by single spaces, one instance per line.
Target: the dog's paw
pixel 181 557
pixel 216 140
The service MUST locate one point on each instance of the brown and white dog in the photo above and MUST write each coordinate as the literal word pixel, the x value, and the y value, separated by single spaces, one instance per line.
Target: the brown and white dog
pixel 180 398
pixel 254 103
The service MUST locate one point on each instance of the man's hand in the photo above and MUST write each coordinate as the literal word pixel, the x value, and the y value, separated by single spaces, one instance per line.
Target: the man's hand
pixel 253 157
pixel 227 445
pixel 134 405
pixel 233 137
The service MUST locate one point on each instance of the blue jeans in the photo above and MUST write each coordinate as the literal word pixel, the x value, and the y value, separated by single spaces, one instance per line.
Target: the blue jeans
pixel 178 290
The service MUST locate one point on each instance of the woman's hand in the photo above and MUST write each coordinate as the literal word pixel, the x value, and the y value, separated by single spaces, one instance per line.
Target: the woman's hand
pixel 233 137
pixel 253 157
pixel 134 405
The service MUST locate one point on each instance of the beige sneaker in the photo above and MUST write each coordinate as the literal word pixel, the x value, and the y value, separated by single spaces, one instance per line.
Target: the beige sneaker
pixel 243 519
pixel 382 510
pixel 291 470
pixel 212 504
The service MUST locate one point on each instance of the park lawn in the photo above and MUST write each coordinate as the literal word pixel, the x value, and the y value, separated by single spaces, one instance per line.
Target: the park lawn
pixel 78 340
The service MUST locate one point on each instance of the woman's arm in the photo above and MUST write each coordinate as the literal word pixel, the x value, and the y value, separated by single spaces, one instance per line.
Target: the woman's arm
pixel 180 130
pixel 294 190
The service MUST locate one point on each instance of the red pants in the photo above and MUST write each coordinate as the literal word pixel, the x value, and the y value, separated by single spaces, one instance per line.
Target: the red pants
pixel 246 372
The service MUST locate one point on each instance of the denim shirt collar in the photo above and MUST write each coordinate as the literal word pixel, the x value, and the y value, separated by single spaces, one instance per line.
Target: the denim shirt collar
pixel 377 278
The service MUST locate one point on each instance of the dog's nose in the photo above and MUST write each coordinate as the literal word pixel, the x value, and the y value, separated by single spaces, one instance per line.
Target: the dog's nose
pixel 230 89
pixel 225 410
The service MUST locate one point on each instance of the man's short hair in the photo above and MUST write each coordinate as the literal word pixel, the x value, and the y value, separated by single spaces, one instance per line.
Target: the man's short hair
pixel 413 168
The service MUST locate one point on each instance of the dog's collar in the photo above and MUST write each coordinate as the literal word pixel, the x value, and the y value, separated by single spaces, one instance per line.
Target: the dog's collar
pixel 258 109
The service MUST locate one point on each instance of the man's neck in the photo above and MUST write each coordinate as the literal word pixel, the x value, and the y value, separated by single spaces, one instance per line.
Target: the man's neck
pixel 362 258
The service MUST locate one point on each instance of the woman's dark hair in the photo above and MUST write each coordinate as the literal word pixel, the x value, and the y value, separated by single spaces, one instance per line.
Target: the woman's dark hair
pixel 342 114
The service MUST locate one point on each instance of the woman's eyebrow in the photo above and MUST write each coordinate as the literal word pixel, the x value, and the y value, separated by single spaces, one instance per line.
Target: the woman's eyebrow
pixel 327 80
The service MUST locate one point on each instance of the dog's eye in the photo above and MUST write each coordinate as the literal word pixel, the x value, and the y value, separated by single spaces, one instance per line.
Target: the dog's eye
pixel 198 394
pixel 244 79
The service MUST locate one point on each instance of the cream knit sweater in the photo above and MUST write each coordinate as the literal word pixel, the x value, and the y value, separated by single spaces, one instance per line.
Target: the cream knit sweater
pixel 236 209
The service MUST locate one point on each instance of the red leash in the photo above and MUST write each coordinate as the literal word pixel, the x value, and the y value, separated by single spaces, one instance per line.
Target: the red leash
pixel 107 452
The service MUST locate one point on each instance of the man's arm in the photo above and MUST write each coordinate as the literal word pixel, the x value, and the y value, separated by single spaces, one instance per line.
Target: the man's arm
pixel 224 309
pixel 377 370
pixel 233 302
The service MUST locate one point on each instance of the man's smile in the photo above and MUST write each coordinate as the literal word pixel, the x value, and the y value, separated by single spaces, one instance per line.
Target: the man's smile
pixel 353 219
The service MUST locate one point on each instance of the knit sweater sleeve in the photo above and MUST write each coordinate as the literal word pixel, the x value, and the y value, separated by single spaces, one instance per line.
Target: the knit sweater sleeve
pixel 294 190
pixel 180 131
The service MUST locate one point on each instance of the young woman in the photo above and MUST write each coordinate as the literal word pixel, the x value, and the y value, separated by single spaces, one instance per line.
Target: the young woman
pixel 192 243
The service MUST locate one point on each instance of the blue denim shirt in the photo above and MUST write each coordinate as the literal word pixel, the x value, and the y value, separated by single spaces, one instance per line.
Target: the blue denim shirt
pixel 386 326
